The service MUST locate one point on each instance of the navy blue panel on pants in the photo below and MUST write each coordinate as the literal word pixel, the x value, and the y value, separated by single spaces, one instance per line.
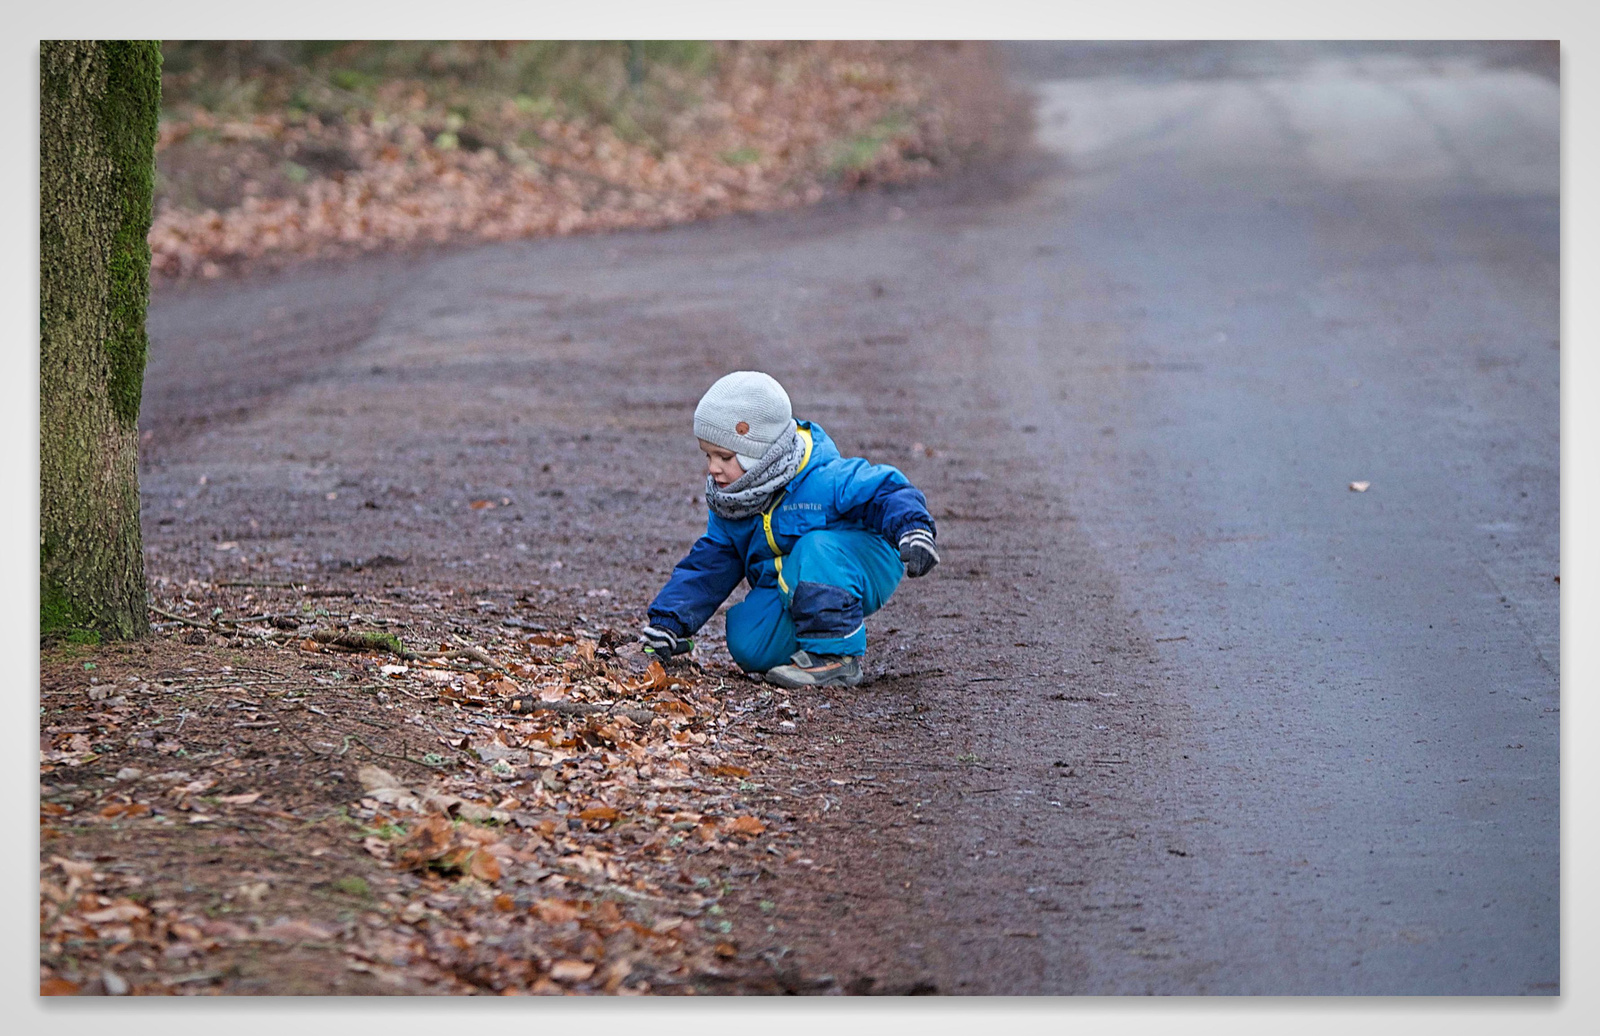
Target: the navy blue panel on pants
pixel 822 611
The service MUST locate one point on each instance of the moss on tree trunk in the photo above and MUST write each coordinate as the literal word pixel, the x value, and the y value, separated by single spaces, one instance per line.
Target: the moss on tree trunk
pixel 99 102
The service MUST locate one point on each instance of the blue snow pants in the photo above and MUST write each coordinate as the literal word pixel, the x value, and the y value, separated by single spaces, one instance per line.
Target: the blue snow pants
pixel 832 580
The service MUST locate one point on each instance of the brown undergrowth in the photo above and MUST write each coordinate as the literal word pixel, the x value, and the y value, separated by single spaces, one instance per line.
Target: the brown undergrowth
pixel 237 807
pixel 373 146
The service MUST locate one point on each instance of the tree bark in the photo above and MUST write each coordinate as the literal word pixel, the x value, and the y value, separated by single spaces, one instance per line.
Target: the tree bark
pixel 99 102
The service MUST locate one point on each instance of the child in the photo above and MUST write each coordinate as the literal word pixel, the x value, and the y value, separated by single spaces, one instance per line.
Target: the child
pixel 815 534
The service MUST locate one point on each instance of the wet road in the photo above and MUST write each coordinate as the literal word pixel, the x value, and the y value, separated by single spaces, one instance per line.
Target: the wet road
pixel 1180 713
pixel 1344 268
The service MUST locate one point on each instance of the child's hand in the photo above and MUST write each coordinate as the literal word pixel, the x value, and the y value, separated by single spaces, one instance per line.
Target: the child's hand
pixel 663 643
pixel 916 550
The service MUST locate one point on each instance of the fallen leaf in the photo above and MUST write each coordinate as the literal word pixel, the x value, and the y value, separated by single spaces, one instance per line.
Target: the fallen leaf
pixel 746 825
pixel 653 678
pixel 502 686
pixel 392 976
pixel 428 841
pixel 484 866
pixel 400 798
pixel 240 800
pixel 725 950
pixel 125 911
pixel 728 770
pixel 291 931
pixel 372 777
pixel 224 930
pixel 125 810
pixel 599 814
pixel 493 751
pixel 555 911
pixel 57 987
pixel 571 970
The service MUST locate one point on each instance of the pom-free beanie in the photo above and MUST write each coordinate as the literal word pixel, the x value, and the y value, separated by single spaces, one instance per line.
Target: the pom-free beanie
pixel 746 412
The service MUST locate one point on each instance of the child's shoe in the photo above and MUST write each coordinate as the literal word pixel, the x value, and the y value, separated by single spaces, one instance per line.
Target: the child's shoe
pixel 810 670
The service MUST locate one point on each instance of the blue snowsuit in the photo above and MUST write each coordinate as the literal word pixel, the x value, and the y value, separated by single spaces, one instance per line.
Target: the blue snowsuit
pixel 819 560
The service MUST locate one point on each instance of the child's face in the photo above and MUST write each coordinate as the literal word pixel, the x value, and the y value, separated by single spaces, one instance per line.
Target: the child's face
pixel 723 467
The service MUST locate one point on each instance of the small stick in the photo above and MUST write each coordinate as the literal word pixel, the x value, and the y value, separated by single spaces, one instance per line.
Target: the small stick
pixel 523 706
pixel 390 643
pixel 476 654
pixel 390 755
pixel 261 586
pixel 179 618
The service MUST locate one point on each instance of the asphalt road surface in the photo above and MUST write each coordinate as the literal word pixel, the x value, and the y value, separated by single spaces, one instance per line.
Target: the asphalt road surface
pixel 1181 712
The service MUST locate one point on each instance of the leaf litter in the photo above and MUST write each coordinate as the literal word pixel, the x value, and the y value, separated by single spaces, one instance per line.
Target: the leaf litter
pixel 548 813
pixel 393 163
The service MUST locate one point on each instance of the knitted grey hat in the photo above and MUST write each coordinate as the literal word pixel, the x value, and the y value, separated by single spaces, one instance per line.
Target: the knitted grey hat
pixel 746 412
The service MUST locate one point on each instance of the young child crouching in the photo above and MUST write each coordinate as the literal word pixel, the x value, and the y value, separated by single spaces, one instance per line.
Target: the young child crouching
pixel 821 539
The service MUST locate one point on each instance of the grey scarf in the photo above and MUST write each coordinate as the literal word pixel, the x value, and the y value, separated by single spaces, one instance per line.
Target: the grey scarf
pixel 752 492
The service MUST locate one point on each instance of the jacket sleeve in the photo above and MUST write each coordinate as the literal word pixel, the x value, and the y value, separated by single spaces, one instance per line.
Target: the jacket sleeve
pixel 882 499
pixel 699 583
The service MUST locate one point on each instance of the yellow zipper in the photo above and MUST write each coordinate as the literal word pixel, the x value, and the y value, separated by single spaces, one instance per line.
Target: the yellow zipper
pixel 777 559
pixel 766 516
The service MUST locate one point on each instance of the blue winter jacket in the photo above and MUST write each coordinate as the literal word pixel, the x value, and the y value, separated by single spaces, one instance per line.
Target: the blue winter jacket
pixel 828 492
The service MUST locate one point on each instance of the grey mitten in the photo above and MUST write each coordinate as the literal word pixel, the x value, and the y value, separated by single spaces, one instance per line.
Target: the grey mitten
pixel 664 644
pixel 917 551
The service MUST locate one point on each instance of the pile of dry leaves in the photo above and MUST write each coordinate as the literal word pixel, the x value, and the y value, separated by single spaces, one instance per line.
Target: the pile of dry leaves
pixel 242 805
pixel 765 126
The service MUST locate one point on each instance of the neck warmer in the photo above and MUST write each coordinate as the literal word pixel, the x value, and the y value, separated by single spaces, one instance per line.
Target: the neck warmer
pixel 753 491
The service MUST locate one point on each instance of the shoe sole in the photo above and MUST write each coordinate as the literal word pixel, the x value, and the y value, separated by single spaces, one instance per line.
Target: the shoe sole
pixel 795 685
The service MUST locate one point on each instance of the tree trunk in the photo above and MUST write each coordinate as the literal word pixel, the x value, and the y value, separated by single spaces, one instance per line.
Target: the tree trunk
pixel 99 102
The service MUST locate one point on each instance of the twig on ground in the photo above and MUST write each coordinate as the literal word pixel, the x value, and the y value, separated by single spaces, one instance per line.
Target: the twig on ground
pixel 179 618
pixel 390 755
pixel 261 586
pixel 266 705
pixel 523 706
pixel 476 654
pixel 357 641
pixel 388 642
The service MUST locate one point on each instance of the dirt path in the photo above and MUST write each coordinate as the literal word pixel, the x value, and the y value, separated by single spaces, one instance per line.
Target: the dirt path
pixel 443 402
pixel 963 810
pixel 1055 783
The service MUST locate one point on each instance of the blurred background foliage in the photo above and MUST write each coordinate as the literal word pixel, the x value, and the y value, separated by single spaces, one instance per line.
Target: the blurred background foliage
pixel 632 86
pixel 273 150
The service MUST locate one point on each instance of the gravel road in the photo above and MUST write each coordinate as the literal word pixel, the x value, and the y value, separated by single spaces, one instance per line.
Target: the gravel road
pixel 1181 712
